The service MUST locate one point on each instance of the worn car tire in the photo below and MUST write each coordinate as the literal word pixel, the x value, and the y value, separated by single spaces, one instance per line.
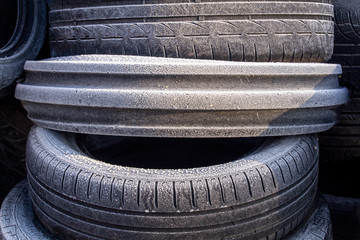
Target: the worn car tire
pixel 344 213
pixel 78 197
pixel 17 220
pixel 261 31
pixel 317 226
pixel 341 145
pixel 342 142
pixel 26 41
pixel 161 97
pixel 347 42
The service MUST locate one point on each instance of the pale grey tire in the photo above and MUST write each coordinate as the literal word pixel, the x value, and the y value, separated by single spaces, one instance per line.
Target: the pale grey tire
pixel 162 97
pixel 17 219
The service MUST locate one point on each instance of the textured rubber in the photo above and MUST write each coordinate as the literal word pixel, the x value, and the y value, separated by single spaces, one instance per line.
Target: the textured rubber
pixel 26 42
pixel 347 42
pixel 160 97
pixel 342 142
pixel 317 226
pixel 261 31
pixel 264 194
pixel 17 220
pixel 344 216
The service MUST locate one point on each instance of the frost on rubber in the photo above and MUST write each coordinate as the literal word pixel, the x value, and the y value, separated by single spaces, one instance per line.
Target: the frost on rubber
pixel 75 195
pixel 17 220
pixel 263 31
pixel 26 42
pixel 181 97
pixel 317 226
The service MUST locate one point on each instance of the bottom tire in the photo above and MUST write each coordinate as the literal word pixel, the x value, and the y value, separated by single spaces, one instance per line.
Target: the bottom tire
pixel 317 226
pixel 18 222
pixel 262 191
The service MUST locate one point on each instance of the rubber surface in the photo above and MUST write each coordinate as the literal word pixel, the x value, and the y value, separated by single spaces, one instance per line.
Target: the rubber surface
pixel 317 226
pixel 344 218
pixel 159 97
pixel 347 42
pixel 26 41
pixel 19 213
pixel 261 31
pixel 17 220
pixel 342 142
pixel 76 196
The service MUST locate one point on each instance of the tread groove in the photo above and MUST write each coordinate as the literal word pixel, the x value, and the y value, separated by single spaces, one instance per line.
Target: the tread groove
pixel 248 183
pixel 234 186
pixel 76 182
pixel 174 196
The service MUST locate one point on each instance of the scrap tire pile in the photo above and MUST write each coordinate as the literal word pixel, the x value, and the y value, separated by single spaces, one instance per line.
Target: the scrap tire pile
pixel 340 146
pixel 179 120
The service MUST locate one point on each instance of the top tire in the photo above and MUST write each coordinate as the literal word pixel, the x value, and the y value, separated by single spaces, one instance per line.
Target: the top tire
pixel 25 42
pixel 261 31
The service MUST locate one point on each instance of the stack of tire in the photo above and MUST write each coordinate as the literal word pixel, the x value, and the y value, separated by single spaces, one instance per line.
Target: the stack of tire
pixel 213 120
pixel 340 147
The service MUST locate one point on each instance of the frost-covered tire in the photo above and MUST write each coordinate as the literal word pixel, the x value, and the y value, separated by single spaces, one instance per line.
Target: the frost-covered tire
pixel 263 194
pixel 261 31
pixel 26 41
pixel 162 97
pixel 317 226
pixel 17 220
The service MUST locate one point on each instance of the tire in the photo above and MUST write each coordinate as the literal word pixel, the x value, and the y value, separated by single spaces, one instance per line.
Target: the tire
pixel 26 41
pixel 317 226
pixel 347 43
pixel 341 143
pixel 344 216
pixel 17 220
pixel 78 197
pixel 277 31
pixel 19 213
pixel 181 97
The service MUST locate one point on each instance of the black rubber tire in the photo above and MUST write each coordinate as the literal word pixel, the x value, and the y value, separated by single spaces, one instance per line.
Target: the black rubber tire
pixel 342 143
pixel 347 42
pixel 17 219
pixel 261 31
pixel 318 226
pixel 25 43
pixel 181 97
pixel 78 197
pixel 344 216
